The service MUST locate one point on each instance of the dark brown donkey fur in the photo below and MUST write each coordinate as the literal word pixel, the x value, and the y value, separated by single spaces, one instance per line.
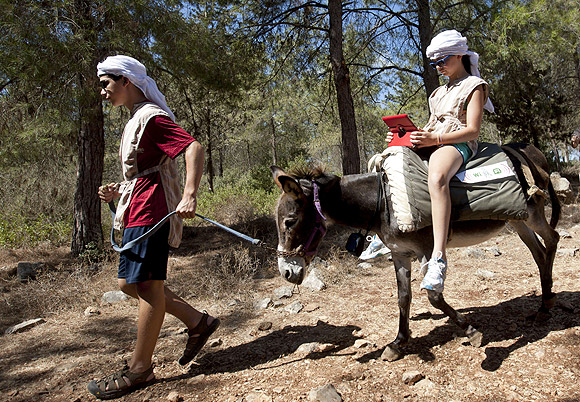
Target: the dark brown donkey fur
pixel 352 200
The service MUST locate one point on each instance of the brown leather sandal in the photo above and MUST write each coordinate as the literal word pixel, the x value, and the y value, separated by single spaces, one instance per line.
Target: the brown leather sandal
pixel 120 383
pixel 198 336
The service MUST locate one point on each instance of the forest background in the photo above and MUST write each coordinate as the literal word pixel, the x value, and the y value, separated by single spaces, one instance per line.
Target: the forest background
pixel 258 83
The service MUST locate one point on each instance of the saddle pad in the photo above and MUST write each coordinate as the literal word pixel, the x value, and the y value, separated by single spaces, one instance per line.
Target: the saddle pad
pixel 492 190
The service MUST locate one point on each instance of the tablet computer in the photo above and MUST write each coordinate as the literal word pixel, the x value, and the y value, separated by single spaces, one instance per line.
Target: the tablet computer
pixel 401 126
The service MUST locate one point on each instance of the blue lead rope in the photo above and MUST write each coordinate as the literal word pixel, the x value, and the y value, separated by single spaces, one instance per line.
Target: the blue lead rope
pixel 155 228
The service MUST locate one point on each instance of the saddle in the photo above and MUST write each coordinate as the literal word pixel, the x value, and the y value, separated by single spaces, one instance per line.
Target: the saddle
pixel 486 187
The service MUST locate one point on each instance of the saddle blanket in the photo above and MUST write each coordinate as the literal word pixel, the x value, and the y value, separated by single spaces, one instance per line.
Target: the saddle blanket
pixel 487 187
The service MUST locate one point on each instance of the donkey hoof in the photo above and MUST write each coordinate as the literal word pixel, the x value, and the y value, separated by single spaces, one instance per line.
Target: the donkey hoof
pixel 392 353
pixel 474 336
pixel 542 316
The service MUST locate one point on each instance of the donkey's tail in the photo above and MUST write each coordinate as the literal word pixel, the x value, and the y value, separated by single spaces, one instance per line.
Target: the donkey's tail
pixel 556 206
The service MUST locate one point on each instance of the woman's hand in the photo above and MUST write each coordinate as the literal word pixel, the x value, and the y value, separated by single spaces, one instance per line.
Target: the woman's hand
pixel 389 137
pixel 423 139
pixel 109 192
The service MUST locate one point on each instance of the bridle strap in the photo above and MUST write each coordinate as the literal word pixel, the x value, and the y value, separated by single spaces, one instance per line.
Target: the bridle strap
pixel 318 226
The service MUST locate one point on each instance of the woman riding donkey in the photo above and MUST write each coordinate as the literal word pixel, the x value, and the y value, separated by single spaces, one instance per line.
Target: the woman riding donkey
pixel 453 128
pixel 151 141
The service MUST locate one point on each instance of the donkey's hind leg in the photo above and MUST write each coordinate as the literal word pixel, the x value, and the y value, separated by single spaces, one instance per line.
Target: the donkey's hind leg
pixel 543 253
pixel 436 299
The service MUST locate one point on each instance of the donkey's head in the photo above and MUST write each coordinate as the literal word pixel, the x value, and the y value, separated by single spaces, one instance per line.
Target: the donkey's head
pixel 299 220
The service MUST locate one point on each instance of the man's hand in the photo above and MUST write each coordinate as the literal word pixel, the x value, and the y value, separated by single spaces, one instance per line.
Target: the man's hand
pixel 186 207
pixel 109 192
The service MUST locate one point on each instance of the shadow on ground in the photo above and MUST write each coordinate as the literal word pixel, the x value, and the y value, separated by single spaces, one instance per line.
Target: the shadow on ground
pixel 508 320
pixel 271 347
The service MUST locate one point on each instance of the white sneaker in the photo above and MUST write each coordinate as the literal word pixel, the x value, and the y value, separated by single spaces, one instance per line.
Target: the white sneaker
pixel 375 249
pixel 435 276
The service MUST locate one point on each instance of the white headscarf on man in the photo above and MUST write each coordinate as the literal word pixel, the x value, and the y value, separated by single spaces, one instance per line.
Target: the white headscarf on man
pixel 137 74
pixel 452 43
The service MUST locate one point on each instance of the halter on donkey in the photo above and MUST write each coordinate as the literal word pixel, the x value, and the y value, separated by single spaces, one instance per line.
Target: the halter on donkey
pixel 351 201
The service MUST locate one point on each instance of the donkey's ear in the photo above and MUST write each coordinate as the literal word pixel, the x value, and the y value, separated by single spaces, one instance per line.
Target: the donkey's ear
pixel 286 183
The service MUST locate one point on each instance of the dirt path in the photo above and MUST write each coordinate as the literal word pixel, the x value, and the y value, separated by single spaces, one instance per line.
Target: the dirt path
pixel 519 361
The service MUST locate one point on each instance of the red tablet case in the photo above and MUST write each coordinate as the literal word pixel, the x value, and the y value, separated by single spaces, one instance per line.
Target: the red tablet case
pixel 401 127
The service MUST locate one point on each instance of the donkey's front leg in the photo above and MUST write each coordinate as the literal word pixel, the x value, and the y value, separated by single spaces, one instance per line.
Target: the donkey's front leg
pixel 393 350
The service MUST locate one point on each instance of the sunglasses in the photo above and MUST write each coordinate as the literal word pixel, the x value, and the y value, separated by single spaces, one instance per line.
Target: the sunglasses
pixel 439 63
pixel 104 83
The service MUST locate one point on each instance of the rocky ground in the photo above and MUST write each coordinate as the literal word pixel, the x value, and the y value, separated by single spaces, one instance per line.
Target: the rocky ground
pixel 332 337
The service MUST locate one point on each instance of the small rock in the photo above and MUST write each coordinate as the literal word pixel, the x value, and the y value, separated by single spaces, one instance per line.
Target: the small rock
pixel 265 326
pixel 485 274
pixel 8 271
pixel 114 296
pixel 91 311
pixel 294 308
pixel 318 262
pixel 264 303
pixel 214 343
pixel 362 343
pixel 307 348
pixel 564 234
pixel 425 384
pixel 24 326
pixel 174 397
pixel 194 380
pixel 27 271
pixel 283 292
pixel 365 265
pixel 277 304
pixel 495 251
pixel 569 252
pixel 234 302
pixel 475 253
pixel 325 347
pixel 411 377
pixel 258 397
pixel 326 393
pixel 513 396
pixel 314 281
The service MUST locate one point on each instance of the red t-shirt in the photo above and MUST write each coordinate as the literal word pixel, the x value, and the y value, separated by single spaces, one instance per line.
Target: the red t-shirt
pixel 161 137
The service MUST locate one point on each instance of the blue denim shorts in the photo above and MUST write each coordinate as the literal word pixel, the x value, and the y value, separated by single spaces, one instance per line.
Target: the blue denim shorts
pixel 464 150
pixel 147 260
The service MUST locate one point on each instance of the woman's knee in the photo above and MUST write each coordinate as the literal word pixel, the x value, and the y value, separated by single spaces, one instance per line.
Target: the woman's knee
pixel 437 180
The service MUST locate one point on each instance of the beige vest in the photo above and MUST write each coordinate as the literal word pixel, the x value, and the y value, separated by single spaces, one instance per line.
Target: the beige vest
pixel 167 169
pixel 448 108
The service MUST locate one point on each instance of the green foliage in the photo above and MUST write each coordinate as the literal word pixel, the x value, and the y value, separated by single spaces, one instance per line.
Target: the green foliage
pixel 16 231
pixel 534 60
pixel 239 197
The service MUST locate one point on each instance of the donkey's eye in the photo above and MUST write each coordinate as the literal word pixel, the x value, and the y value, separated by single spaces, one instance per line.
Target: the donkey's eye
pixel 289 222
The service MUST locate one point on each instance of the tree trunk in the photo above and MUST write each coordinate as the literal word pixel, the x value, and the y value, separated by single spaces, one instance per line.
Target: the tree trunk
pixel 350 151
pixel 430 77
pixel 91 152
pixel 209 151
pixel 273 143
pixel 87 231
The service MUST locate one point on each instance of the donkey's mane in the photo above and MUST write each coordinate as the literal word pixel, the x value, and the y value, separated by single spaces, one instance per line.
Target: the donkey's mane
pixel 307 172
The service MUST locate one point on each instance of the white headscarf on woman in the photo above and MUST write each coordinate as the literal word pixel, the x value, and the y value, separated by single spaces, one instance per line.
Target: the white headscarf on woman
pixel 452 43
pixel 137 74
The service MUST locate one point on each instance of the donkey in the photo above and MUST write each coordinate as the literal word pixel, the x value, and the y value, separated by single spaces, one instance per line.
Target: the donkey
pixel 312 198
